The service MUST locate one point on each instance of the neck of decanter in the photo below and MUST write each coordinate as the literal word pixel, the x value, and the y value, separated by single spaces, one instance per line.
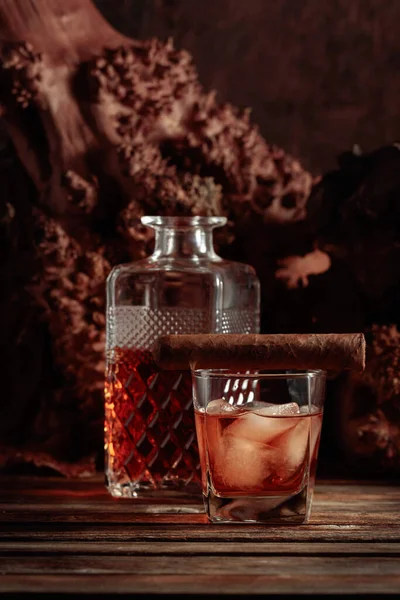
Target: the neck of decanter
pixel 196 242
pixel 184 237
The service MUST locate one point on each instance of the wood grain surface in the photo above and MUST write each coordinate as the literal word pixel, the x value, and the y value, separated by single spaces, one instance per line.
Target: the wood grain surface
pixel 71 538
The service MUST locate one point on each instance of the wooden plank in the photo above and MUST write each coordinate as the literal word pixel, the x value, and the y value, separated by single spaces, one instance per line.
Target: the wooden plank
pixel 22 515
pixel 369 506
pixel 281 548
pixel 359 499
pixel 322 501
pixel 339 519
pixel 202 565
pixel 209 584
pixel 160 534
pixel 206 584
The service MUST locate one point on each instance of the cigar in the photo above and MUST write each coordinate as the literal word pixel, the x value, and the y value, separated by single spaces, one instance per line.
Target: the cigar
pixel 326 351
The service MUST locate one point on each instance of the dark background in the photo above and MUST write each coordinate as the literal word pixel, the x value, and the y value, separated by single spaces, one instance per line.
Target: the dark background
pixel 319 76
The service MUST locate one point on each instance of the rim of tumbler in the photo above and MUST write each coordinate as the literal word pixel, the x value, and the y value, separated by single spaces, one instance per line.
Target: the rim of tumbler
pixel 264 374
pixel 184 222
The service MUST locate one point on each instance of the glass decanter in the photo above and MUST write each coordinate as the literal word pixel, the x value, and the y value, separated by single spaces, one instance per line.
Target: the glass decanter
pixel 183 287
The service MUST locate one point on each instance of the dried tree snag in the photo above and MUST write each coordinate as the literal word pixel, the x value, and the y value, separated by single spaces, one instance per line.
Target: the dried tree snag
pixel 330 352
pixel 102 129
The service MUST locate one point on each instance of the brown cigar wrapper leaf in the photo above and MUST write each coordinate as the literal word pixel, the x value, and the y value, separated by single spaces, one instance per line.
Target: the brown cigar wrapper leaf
pixel 326 351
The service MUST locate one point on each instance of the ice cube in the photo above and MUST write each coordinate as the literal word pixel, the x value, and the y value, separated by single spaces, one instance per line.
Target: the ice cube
pixel 287 436
pixel 242 464
pixel 220 407
pixel 291 408
pixel 260 427
pixel 293 446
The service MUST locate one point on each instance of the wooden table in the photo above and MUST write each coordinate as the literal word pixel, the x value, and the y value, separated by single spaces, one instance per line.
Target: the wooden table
pixel 71 537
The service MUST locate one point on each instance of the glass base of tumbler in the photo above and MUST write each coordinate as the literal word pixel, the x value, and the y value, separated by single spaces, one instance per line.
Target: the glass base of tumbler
pixel 164 500
pixel 273 510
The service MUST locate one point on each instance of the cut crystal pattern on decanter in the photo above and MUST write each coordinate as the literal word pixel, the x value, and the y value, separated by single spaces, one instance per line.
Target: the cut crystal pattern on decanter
pixel 140 326
pixel 234 320
pixel 149 422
